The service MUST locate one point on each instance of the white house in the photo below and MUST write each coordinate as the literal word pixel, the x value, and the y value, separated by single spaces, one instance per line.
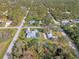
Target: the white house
pixel 31 34
pixel 76 21
pixel 49 35
pixel 65 22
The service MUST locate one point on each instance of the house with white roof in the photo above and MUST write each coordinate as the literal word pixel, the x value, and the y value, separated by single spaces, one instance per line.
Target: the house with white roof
pixel 65 22
pixel 76 21
pixel 49 35
pixel 32 34
pixel 32 22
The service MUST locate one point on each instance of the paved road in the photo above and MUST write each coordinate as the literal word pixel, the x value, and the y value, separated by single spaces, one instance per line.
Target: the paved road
pixel 33 27
pixel 68 39
pixel 72 45
pixel 19 30
pixel 9 27
pixel 9 50
pixel 22 27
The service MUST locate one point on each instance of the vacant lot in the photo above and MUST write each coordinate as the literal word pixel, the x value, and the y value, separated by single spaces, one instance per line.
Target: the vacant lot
pixel 6 36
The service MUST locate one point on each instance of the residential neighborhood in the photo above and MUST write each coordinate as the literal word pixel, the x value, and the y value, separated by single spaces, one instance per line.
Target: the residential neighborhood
pixel 39 29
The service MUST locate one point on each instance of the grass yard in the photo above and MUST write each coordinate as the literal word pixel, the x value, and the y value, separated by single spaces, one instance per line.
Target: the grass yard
pixel 4 42
pixel 3 47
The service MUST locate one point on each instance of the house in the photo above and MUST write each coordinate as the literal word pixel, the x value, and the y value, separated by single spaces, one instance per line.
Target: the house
pixel 65 22
pixel 67 12
pixel 32 34
pixel 5 20
pixel 49 35
pixel 8 23
pixel 32 22
pixel 76 21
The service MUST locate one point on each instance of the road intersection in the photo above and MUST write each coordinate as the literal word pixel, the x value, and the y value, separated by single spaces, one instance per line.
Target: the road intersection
pixel 9 50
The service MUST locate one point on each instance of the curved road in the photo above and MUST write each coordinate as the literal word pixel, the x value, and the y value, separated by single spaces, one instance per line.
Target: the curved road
pixel 68 39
